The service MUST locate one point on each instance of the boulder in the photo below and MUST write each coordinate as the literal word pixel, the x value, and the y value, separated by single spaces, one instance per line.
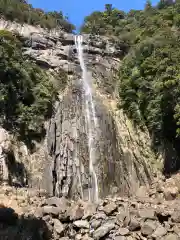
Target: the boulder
pixel 61 203
pixel 95 224
pixel 110 208
pixel 81 224
pixel 103 230
pixel 148 228
pixel 134 224
pixel 51 210
pixel 159 232
pixel 123 231
pixel 170 236
pixel 75 212
pixel 171 193
pixel 58 226
pixel 147 213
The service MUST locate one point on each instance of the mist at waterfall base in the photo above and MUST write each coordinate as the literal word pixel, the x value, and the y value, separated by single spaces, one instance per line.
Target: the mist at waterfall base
pixel 91 119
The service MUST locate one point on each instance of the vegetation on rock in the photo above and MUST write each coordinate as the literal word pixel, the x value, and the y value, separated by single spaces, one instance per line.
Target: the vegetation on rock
pixel 149 77
pixel 21 11
pixel 26 94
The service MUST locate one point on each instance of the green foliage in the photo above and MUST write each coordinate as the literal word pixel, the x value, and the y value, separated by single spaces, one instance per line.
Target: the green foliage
pixel 106 22
pixel 22 12
pixel 26 94
pixel 150 73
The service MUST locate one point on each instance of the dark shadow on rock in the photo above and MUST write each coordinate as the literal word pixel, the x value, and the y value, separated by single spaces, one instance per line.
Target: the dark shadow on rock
pixel 17 170
pixel 14 227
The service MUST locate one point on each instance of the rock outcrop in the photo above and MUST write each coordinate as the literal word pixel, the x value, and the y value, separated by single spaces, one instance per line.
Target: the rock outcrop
pixel 124 160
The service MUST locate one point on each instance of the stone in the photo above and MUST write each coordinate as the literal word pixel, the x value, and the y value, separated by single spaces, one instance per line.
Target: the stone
pixel 75 212
pixel 78 237
pixel 120 218
pixel 100 215
pixel 51 210
pixel 89 209
pixel 58 226
pixel 176 216
pixel 95 224
pixel 81 224
pixel 159 232
pixel 38 213
pixel 86 237
pixel 170 236
pixel 123 231
pixel 119 238
pixel 134 224
pixel 103 230
pixel 61 203
pixel 110 208
pixel 171 193
pixel 147 213
pixel 148 228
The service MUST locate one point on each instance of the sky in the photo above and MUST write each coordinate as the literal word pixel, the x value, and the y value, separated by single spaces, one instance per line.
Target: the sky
pixel 76 10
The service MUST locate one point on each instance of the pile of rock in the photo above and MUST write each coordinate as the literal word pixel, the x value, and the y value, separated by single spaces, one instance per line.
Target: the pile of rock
pixel 39 217
pixel 118 219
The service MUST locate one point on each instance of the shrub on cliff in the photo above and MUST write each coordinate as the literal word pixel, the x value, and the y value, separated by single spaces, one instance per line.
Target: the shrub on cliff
pixel 26 94
pixel 22 12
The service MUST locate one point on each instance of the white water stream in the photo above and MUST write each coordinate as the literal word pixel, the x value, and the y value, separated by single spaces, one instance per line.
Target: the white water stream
pixel 91 120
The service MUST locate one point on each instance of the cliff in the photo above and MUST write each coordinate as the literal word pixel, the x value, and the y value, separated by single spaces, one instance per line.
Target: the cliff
pixel 123 160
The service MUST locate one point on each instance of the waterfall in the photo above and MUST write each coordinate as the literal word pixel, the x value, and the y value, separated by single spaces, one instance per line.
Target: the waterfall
pixel 91 120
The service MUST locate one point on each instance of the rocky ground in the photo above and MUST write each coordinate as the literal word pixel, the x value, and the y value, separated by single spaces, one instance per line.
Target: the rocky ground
pixel 153 213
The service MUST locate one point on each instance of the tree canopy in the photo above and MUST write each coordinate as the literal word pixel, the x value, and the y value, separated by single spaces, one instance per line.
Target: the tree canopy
pixel 21 11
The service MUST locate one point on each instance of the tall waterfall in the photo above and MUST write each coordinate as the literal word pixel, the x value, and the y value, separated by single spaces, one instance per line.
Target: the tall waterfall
pixel 91 120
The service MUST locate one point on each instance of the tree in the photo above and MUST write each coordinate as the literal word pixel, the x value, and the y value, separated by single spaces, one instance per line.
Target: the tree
pixel 148 5
pixel 108 8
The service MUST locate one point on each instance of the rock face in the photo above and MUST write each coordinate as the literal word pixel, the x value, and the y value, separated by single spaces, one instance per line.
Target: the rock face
pixel 123 157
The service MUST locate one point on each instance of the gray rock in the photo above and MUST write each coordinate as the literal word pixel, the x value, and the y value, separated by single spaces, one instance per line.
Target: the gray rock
pixel 120 219
pixel 95 224
pixel 159 232
pixel 123 231
pixel 176 216
pixel 68 38
pixel 170 236
pixel 100 215
pixel 51 210
pixel 148 227
pixel 103 230
pixel 147 213
pixel 58 226
pixel 75 212
pixel 89 210
pixel 39 213
pixel 171 193
pixel 109 208
pixel 134 224
pixel 119 238
pixel 61 203
pixel 81 224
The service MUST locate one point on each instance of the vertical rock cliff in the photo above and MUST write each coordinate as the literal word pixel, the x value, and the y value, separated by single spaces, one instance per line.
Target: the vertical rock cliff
pixel 123 156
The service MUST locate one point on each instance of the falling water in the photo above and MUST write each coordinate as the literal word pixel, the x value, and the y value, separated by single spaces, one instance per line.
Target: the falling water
pixel 91 120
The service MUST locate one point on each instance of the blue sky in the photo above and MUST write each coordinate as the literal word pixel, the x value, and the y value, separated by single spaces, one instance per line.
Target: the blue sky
pixel 76 10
